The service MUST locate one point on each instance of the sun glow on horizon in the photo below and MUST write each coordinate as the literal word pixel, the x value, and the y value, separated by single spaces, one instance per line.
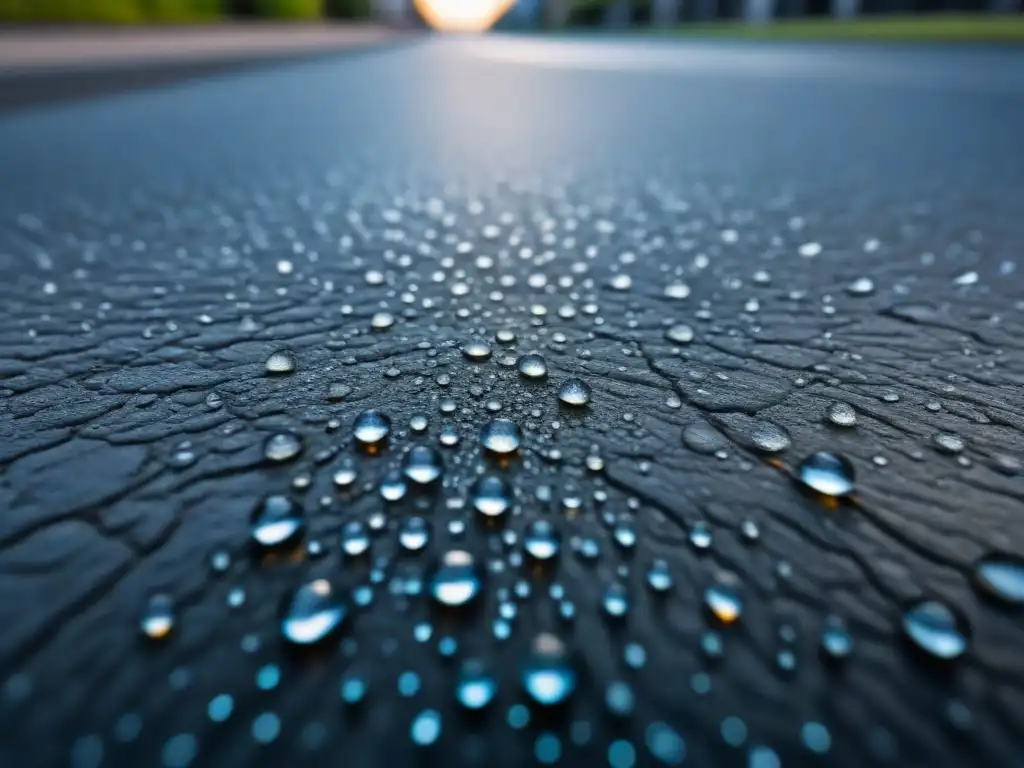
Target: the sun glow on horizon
pixel 463 15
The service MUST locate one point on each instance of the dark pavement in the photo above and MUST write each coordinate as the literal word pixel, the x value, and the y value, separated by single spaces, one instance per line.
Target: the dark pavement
pixel 724 242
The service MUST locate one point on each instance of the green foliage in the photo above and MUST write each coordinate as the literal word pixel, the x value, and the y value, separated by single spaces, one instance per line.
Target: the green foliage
pixel 110 11
pixel 290 9
pixel 348 9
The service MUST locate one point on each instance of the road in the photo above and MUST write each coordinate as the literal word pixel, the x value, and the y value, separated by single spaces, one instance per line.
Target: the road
pixel 749 254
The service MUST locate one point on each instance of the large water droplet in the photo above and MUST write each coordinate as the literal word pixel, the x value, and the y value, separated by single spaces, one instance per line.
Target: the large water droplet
pixel 456 581
pixel 283 446
pixel 574 392
pixel 381 321
pixel 478 351
pixel 722 598
pixel 769 437
pixel 541 540
pixel 546 674
pixel 827 473
pixel 935 629
pixel 423 465
pixel 841 414
pixel 371 428
pixel 475 688
pixel 312 613
pixel 414 534
pixel 532 366
pixel 1001 577
pixel 157 621
pixel 492 496
pixel 276 521
pixel 501 436
pixel 281 362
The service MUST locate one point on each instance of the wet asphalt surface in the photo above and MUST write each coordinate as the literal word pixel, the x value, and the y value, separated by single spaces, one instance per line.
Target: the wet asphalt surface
pixel 740 250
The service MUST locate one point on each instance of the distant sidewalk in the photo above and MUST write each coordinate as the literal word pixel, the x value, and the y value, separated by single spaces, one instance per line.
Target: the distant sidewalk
pixel 31 49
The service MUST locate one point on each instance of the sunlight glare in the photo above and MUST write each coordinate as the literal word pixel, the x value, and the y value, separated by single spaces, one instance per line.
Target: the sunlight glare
pixel 462 15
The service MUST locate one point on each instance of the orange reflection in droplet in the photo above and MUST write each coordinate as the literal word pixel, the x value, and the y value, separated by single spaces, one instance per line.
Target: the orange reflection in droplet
pixel 462 15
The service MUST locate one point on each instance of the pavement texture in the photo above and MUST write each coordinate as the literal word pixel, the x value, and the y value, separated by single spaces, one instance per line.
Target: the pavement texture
pixel 746 255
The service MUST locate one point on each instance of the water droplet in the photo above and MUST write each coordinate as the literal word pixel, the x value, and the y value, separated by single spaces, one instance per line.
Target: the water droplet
pixel 371 428
pixel 353 689
pixel 665 744
pixel 157 620
pixel 501 436
pixel 419 423
pixel 841 414
pixel 621 282
pixel 763 757
pixel 532 366
pixel 769 437
pixel 659 577
pixel 214 401
pixel 426 728
pixel 478 351
pixel 423 465
pixel 220 707
pixel 679 333
pixel 862 286
pixel 810 250
pixel 179 751
pixel 276 521
pixel 456 581
pixel 541 540
pixel 448 437
pixel 827 473
pixel 574 392
pixel 947 442
pixel 1001 577
pixel 836 640
pixel 312 613
pixel 702 438
pixel 266 727
pixel 505 336
pixel 337 390
pixel 615 601
pixel 414 534
pixel 619 698
pixel 700 535
pixel 677 290
pixel 281 362
pixel 283 446
pixel 381 321
pixel 355 538
pixel 345 473
pixel 933 628
pixel 492 496
pixel 475 688
pixel 546 674
pixel 722 598
pixel 816 737
pixel 392 486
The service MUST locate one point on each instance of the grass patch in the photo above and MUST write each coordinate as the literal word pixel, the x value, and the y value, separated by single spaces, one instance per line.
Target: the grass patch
pixel 989 28
pixel 110 11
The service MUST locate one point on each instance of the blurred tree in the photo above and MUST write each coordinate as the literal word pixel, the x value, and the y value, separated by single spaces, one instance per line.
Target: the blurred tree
pixel 348 9
pixel 290 9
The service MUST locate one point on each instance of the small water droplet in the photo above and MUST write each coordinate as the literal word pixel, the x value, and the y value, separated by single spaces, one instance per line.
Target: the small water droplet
pixel 700 535
pixel 505 336
pixel 157 620
pixel 948 442
pixel 722 598
pixel 827 473
pixel 312 613
pixel 281 362
pixel 836 640
pixel 574 392
pixel 423 465
pixel 615 601
pixel 371 428
pixel 769 437
pixel 702 438
pixel 1001 577
pixel 381 321
pixel 677 290
pixel 501 436
pixel 283 446
pixel 276 521
pixel 492 496
pixel 935 629
pixel 841 414
pixel 456 581
pixel 414 534
pixel 426 728
pixel 448 437
pixel 541 540
pixel 337 390
pixel 659 577
pixel 355 538
pixel 546 674
pixel 345 473
pixel 478 351
pixel 475 688
pixel 862 286
pixel 621 282
pixel 532 366
pixel 680 333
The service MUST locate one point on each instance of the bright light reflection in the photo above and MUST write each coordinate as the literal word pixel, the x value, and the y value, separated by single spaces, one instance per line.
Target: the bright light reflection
pixel 463 15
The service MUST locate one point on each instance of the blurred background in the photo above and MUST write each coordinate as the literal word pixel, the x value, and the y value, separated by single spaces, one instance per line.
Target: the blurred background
pixel 900 18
